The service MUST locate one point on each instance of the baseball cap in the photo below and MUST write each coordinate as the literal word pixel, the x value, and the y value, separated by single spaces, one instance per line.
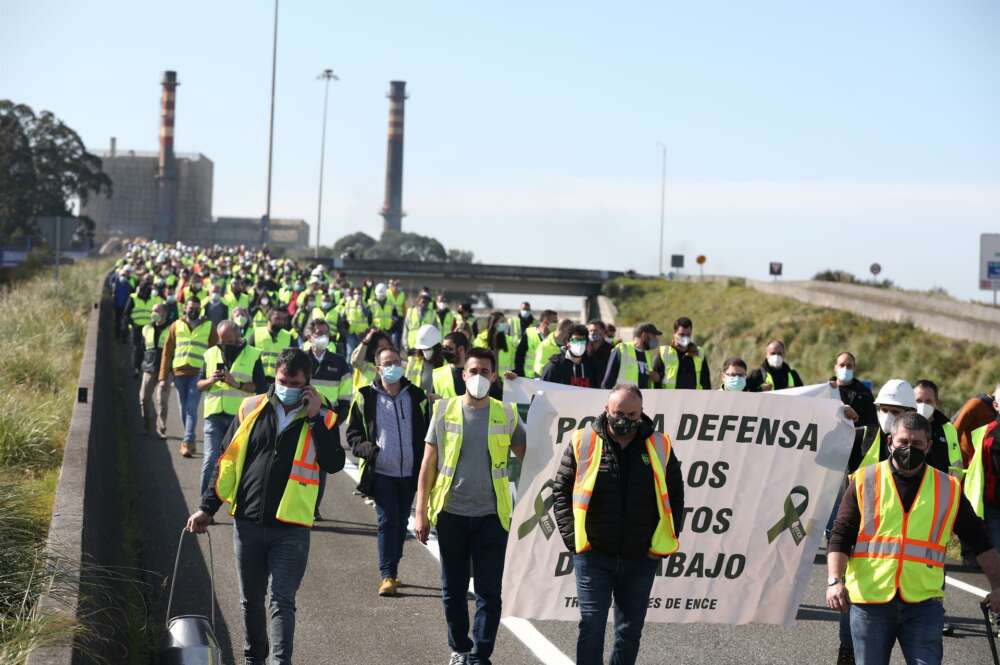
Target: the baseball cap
pixel 647 328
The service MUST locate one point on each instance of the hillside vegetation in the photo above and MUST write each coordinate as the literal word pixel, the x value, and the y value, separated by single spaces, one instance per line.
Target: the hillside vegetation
pixel 734 320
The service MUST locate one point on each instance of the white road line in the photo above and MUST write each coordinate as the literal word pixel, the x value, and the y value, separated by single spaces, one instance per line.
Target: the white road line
pixel 959 584
pixel 522 629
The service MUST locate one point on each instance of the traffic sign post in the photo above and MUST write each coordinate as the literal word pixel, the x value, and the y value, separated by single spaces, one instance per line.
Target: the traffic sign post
pixel 989 263
pixel 701 264
pixel 677 261
pixel 774 269
pixel 875 269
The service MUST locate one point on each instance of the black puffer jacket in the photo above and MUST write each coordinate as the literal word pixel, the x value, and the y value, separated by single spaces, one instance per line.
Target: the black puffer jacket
pixel 622 514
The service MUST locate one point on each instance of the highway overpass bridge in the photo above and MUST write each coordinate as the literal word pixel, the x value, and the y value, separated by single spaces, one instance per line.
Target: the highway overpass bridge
pixel 483 277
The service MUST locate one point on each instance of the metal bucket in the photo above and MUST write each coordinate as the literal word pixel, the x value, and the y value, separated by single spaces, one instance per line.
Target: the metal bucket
pixel 190 638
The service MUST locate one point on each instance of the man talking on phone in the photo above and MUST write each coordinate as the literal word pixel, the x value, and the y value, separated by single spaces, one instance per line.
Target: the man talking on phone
pixel 275 449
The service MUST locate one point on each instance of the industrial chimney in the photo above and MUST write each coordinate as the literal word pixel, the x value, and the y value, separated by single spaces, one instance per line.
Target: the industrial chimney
pixel 392 210
pixel 166 175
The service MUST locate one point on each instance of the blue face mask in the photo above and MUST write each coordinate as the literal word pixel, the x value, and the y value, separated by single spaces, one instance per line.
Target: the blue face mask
pixel 736 383
pixel 392 373
pixel 287 396
pixel 845 374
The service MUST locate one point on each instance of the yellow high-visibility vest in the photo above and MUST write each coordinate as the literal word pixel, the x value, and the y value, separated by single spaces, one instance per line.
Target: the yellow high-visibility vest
pixel 974 486
pixel 190 344
pixel 503 423
pixel 444 382
pixel 298 501
pixel 587 447
pixel 223 398
pixel 872 438
pixel 534 339
pixel 769 380
pixel 381 314
pixel 270 349
pixel 546 348
pixel 896 551
pixel 413 322
pixel 671 361
pixel 956 466
pixel 142 310
pixel 628 368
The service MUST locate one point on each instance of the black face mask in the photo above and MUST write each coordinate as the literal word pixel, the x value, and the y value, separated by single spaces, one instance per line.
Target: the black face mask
pixel 622 425
pixel 449 356
pixel 191 314
pixel 908 458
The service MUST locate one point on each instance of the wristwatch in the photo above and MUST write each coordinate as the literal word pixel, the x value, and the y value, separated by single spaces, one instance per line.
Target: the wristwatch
pixel 830 581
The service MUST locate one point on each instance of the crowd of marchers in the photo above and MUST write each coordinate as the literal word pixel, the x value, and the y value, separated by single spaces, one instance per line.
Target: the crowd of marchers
pixel 282 358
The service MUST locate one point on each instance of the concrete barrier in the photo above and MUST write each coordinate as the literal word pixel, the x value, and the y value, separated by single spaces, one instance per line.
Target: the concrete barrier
pixel 85 530
pixel 952 319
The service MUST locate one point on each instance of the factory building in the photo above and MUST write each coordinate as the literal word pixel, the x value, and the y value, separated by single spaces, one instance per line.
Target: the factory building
pixel 168 196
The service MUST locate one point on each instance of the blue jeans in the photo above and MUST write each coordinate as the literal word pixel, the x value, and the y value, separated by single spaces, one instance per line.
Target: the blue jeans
pixel 215 429
pixel 393 502
pixel 278 553
pixel 188 396
pixel 599 578
pixel 917 626
pixel 481 542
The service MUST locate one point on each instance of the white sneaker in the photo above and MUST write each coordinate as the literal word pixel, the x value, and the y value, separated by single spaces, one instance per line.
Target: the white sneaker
pixel 458 658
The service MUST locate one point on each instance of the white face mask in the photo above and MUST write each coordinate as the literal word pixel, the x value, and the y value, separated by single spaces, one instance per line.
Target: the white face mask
pixel 887 421
pixel 684 342
pixel 320 343
pixel 428 353
pixel 478 386
pixel 577 348
pixel 775 360
pixel 926 409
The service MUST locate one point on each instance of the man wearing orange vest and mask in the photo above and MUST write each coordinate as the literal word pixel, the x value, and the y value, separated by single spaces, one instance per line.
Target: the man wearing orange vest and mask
pixel 269 476
pixel 890 538
pixel 610 513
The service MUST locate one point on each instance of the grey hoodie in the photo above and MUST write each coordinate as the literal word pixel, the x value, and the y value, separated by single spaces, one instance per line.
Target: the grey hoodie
pixel 392 434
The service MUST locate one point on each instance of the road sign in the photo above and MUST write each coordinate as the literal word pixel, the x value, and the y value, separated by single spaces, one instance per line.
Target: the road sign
pixel 989 261
pixel 700 260
pixel 875 268
pixel 676 260
pixel 775 268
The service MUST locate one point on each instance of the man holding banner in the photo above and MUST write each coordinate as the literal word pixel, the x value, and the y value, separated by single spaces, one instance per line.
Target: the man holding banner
pixel 616 492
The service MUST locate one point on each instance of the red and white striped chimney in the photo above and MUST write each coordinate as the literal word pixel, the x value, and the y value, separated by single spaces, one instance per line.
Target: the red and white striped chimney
pixel 167 103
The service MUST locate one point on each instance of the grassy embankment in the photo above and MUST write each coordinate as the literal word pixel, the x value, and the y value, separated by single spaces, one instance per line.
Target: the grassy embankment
pixel 734 320
pixel 43 325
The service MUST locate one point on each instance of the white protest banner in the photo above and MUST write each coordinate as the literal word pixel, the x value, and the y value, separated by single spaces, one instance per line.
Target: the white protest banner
pixel 761 475
pixel 521 390
pixel 813 390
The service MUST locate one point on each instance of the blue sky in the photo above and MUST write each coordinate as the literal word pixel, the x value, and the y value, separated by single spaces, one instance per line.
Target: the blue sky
pixel 821 136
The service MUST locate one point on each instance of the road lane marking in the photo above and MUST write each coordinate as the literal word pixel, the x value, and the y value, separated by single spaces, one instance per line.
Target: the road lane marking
pixel 522 629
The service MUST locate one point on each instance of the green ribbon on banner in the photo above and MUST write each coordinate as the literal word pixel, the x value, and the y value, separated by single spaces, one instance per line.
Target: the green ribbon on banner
pixel 791 519
pixel 541 516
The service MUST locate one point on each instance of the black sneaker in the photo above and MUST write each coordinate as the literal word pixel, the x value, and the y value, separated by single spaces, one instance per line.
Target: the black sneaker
pixel 846 654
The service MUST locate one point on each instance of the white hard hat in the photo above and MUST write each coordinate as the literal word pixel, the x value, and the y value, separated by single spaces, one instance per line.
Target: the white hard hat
pixel 896 392
pixel 380 290
pixel 429 336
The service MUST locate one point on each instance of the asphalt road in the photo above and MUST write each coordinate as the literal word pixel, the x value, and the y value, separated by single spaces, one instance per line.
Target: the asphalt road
pixel 341 619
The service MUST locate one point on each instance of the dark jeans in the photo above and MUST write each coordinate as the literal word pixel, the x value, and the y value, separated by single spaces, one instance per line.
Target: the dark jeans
pixel 279 554
pixel 215 430
pixel 917 626
pixel 599 578
pixel 393 502
pixel 481 542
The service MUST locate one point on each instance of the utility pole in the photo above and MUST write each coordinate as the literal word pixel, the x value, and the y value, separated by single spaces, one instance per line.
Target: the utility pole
pixel 327 76
pixel 663 199
pixel 266 222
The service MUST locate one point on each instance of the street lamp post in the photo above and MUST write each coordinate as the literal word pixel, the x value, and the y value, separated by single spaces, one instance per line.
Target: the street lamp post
pixel 663 199
pixel 326 76
pixel 266 226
